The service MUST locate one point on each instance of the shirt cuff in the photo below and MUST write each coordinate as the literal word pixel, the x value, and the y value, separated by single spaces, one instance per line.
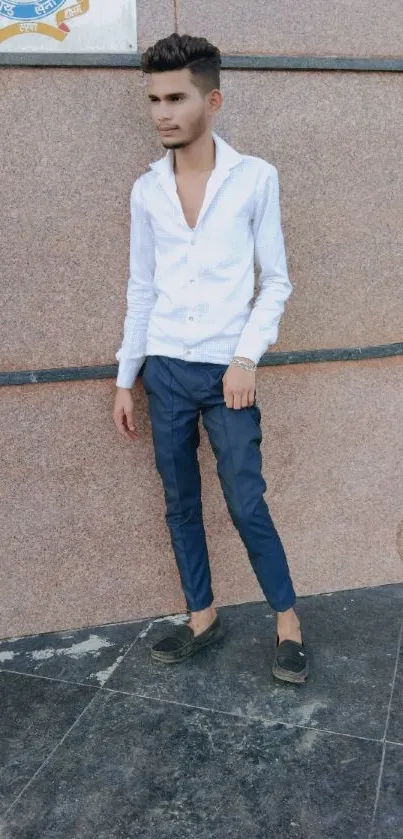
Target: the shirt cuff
pixel 128 371
pixel 247 348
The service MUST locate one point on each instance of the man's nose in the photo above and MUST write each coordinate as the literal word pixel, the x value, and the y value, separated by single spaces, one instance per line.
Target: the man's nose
pixel 164 112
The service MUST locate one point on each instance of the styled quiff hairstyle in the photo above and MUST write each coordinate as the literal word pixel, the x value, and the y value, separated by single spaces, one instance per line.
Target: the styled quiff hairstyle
pixel 179 51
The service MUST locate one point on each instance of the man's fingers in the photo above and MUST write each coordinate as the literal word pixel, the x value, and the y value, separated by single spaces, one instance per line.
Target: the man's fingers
pixel 122 430
pixel 130 420
pixel 131 431
pixel 125 424
pixel 228 396
pixel 239 400
pixel 129 435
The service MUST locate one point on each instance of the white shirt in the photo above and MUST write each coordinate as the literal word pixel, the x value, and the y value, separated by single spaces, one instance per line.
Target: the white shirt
pixel 190 291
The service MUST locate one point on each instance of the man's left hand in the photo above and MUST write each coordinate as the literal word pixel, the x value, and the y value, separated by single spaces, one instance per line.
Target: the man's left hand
pixel 239 387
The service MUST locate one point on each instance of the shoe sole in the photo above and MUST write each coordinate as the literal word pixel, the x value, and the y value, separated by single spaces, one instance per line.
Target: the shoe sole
pixel 167 658
pixel 289 676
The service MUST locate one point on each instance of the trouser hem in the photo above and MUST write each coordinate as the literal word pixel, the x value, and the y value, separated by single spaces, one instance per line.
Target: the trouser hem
pixel 281 607
pixel 198 607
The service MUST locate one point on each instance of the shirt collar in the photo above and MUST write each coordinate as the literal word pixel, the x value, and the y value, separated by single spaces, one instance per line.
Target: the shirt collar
pixel 226 158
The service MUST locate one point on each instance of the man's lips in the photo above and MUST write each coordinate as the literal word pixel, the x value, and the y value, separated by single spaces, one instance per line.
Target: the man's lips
pixel 167 130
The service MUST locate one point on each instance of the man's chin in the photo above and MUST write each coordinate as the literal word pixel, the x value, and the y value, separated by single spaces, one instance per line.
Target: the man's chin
pixel 173 144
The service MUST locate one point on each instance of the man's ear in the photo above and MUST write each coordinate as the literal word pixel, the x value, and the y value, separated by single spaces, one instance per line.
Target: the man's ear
pixel 215 101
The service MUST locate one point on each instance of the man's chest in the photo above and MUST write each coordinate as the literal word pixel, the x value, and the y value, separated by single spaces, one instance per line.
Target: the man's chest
pixel 190 210
pixel 191 193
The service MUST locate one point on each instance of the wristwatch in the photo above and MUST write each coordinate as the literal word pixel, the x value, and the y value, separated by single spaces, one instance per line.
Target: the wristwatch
pixel 246 365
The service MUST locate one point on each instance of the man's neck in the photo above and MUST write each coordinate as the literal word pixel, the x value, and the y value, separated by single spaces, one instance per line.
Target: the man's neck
pixel 195 158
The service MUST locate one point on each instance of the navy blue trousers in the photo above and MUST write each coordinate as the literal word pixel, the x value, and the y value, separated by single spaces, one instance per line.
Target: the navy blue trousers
pixel 178 392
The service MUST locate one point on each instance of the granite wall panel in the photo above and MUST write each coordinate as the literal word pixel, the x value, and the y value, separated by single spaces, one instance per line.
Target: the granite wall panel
pixel 84 539
pixel 309 27
pixel 73 141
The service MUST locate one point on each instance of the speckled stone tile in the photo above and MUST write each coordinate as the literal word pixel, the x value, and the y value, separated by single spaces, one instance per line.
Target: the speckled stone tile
pixel 85 655
pixel 343 27
pixel 135 768
pixel 67 215
pixel 353 651
pixel 66 219
pixel 155 20
pixel 339 173
pixel 84 538
pixel 395 724
pixel 35 715
pixel 389 816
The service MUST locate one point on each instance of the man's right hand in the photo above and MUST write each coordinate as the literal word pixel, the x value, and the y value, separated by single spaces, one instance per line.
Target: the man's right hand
pixel 123 413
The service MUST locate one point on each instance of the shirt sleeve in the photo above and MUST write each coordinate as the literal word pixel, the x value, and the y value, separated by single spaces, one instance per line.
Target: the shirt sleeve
pixel 140 292
pixel 275 287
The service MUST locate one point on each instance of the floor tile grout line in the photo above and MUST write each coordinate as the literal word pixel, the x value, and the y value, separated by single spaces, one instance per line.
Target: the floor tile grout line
pixel 130 647
pixel 392 690
pixel 393 743
pixel 377 793
pixel 52 679
pixel 101 688
pixel 50 755
pixel 69 681
pixel 240 716
pixel 384 741
pixel 11 639
pixel 224 606
pixel 97 690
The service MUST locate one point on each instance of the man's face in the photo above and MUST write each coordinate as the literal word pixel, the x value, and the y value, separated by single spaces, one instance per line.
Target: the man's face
pixel 180 111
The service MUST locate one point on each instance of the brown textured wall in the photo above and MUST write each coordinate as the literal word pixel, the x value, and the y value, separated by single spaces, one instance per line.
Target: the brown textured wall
pixel 83 533
pixel 335 138
pixel 342 27
pixel 155 19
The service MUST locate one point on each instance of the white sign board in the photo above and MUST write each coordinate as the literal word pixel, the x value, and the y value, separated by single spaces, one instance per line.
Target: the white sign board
pixel 86 26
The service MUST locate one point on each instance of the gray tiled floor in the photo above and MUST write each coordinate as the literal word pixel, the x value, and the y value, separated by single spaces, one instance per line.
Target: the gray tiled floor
pixel 98 741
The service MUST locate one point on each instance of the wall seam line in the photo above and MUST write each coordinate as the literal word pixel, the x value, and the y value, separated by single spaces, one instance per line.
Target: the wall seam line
pixel 271 359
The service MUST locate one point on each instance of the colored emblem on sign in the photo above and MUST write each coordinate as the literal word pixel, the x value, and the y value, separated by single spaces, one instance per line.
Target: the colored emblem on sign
pixel 26 10
pixel 30 14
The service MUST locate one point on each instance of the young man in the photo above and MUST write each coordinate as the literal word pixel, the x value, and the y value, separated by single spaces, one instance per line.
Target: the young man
pixel 200 219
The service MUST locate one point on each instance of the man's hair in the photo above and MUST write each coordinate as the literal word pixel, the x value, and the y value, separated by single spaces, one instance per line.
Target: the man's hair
pixel 179 51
